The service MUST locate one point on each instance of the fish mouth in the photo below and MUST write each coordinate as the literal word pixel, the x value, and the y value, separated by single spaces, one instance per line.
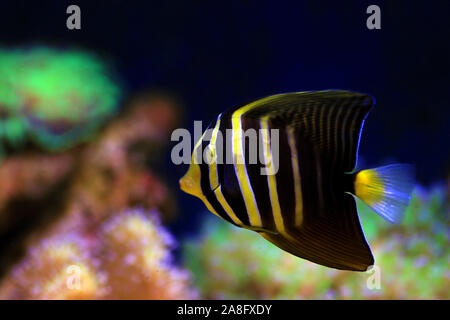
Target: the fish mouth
pixel 185 185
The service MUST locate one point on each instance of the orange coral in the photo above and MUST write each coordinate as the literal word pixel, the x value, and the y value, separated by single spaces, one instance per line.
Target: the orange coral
pixel 127 258
pixel 47 272
pixel 137 261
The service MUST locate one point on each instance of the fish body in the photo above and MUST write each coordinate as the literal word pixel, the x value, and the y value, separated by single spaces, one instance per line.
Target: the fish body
pixel 299 195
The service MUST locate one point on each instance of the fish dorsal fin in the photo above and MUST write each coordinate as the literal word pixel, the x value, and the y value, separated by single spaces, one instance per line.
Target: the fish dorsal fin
pixel 331 120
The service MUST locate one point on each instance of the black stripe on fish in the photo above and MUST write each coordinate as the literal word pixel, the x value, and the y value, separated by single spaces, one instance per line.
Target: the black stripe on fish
pixel 208 192
pixel 285 179
pixel 227 176
pixel 257 180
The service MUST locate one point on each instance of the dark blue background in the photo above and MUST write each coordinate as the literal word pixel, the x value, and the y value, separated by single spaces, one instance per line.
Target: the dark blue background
pixel 214 55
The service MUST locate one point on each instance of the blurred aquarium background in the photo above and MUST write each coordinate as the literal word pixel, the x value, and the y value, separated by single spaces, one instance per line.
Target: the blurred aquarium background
pixel 90 206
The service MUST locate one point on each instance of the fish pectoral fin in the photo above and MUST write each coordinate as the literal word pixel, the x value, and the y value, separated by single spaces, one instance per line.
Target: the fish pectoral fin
pixel 260 229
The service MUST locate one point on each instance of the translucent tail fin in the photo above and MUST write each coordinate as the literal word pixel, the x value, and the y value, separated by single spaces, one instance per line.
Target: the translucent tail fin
pixel 387 190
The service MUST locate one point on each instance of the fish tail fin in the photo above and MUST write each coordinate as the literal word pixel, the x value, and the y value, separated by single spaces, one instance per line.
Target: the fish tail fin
pixel 387 190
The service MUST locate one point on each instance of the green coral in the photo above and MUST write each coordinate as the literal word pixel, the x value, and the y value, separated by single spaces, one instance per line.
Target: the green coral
pixel 411 260
pixel 55 97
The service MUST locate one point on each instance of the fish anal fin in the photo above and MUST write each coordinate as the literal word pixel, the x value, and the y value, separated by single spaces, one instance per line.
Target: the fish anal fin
pixel 260 230
pixel 337 243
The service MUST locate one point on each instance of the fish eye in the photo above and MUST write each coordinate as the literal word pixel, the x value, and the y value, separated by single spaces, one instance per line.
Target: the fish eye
pixel 210 154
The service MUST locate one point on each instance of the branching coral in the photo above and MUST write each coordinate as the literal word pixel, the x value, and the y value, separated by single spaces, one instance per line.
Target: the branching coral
pixel 127 257
pixel 57 98
pixel 412 260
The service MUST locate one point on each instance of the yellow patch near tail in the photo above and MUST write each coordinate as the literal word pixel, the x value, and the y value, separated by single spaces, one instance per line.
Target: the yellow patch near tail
pixel 369 187
pixel 387 190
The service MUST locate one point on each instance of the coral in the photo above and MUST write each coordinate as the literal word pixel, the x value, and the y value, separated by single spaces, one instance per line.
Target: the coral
pixel 48 272
pixel 411 260
pixel 56 97
pixel 32 175
pixel 30 186
pixel 66 227
pixel 44 194
pixel 127 257
pixel 137 260
pixel 116 252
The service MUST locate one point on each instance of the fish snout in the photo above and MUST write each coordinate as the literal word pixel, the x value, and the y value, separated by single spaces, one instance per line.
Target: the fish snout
pixel 183 184
pixel 187 184
pixel 190 182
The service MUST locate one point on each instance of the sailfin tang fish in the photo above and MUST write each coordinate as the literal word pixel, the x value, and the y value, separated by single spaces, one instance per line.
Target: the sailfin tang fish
pixel 305 204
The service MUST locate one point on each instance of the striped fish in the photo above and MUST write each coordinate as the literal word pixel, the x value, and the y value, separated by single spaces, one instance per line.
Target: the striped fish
pixel 306 206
